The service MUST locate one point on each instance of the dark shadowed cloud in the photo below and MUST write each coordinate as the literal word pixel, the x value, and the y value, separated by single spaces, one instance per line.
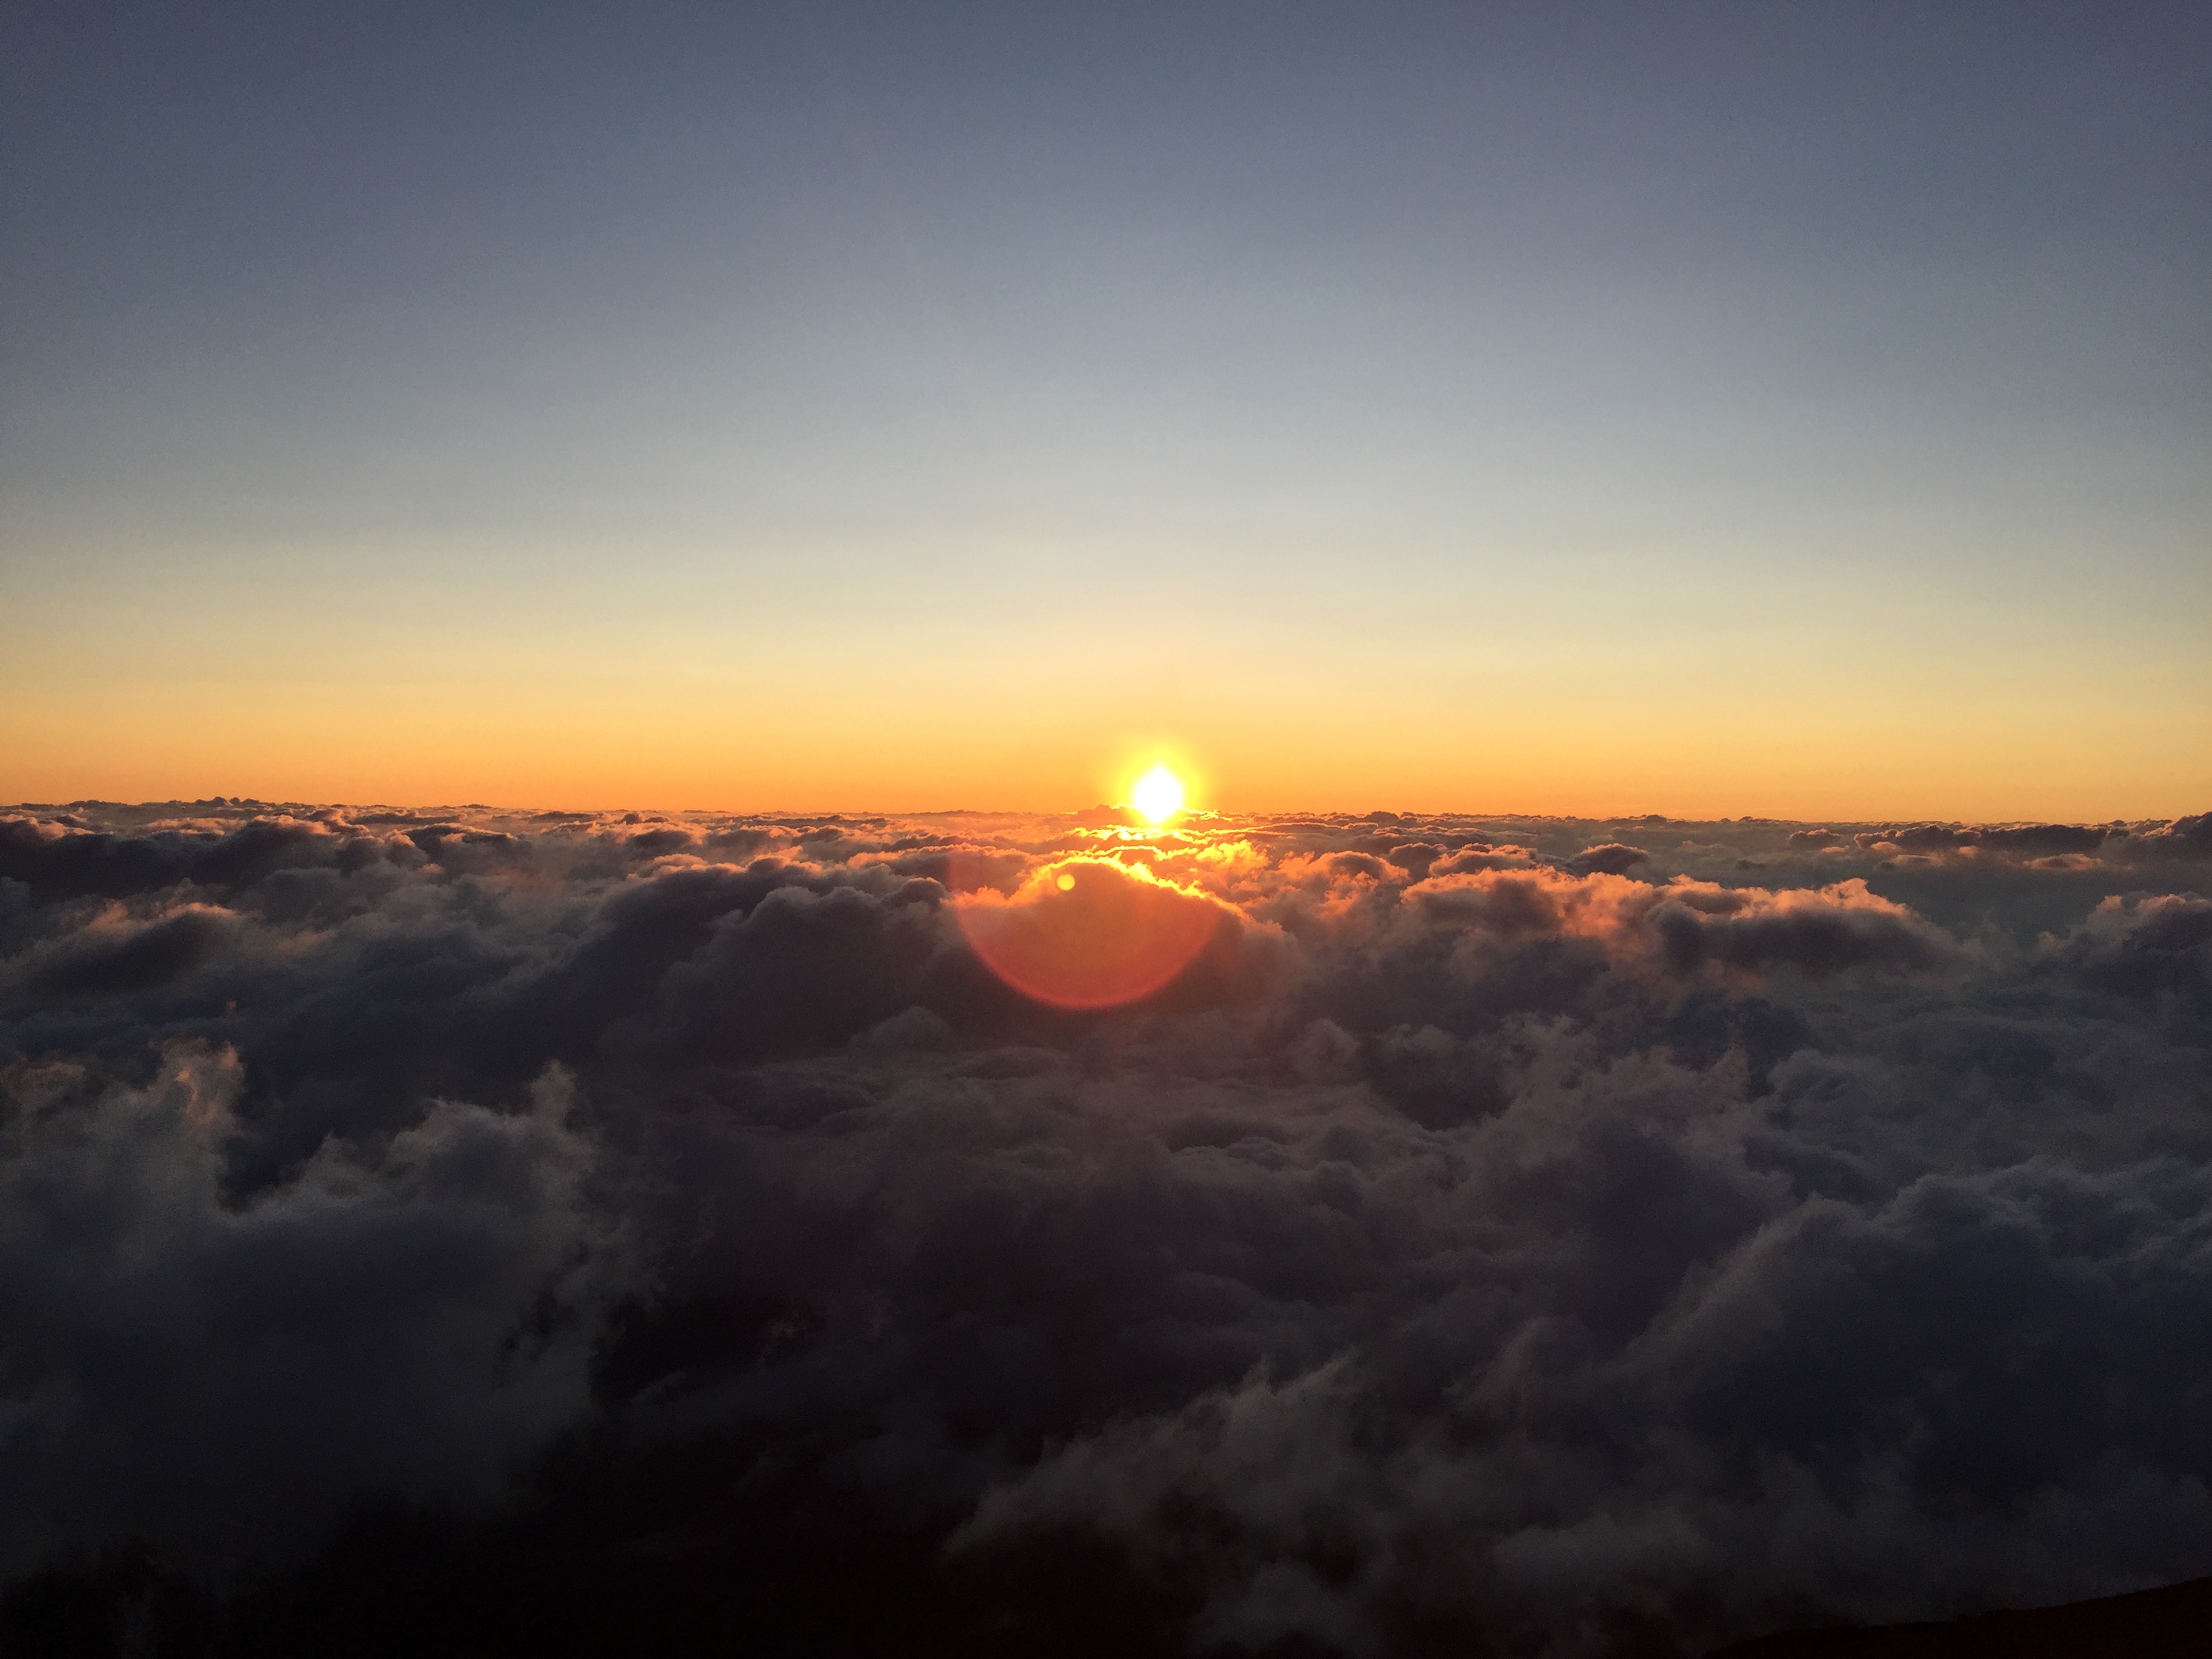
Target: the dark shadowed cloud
pixel 1501 1236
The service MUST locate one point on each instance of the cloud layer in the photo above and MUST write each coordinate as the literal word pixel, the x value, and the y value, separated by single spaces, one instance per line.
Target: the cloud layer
pixel 1524 1236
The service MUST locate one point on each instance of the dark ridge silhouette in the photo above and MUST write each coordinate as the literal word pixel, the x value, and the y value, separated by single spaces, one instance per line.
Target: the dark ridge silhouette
pixel 2175 1622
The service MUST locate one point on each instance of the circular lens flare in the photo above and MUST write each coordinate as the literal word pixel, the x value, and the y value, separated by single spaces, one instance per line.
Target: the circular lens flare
pixel 1088 934
pixel 1157 794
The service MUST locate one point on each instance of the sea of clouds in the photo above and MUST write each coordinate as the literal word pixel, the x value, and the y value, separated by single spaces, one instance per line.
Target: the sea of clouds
pixel 1512 1235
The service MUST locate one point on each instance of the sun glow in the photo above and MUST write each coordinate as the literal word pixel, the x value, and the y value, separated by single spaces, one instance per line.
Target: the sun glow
pixel 1157 794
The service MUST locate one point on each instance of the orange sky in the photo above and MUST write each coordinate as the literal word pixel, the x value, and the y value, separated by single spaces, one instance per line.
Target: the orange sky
pixel 898 443
pixel 1061 723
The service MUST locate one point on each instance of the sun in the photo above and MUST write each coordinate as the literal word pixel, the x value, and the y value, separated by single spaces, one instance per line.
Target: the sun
pixel 1159 794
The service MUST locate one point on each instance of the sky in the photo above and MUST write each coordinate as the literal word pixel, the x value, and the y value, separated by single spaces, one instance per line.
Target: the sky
pixel 1702 410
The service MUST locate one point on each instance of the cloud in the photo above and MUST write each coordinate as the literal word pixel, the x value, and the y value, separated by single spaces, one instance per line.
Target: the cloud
pixel 2152 949
pixel 1817 932
pixel 1613 859
pixel 56 860
pixel 1687 925
pixel 1468 1247
pixel 116 955
pixel 2185 839
pixel 230 1377
pixel 2042 839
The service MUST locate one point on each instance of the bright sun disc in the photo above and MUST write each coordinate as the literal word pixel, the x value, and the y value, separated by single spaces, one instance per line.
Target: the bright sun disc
pixel 1159 794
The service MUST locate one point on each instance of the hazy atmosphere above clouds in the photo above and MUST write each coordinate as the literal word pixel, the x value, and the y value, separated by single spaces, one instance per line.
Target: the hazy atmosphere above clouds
pixel 1600 408
pixel 1518 1236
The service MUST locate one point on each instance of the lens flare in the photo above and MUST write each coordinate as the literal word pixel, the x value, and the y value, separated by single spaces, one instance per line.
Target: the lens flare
pixel 1159 794
pixel 1088 934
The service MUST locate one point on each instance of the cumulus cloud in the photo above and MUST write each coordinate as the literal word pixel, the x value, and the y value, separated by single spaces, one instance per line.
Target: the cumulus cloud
pixel 1613 858
pixel 1689 924
pixel 2188 839
pixel 226 1374
pixel 1457 1244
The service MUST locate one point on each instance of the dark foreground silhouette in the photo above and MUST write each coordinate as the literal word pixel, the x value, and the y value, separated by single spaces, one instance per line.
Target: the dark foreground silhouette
pixel 389 1588
pixel 2176 1620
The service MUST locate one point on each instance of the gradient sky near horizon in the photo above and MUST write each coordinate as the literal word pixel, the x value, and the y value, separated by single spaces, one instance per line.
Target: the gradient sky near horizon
pixel 1803 411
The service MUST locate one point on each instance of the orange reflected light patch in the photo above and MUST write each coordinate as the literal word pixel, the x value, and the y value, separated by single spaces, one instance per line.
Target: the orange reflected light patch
pixel 1087 934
